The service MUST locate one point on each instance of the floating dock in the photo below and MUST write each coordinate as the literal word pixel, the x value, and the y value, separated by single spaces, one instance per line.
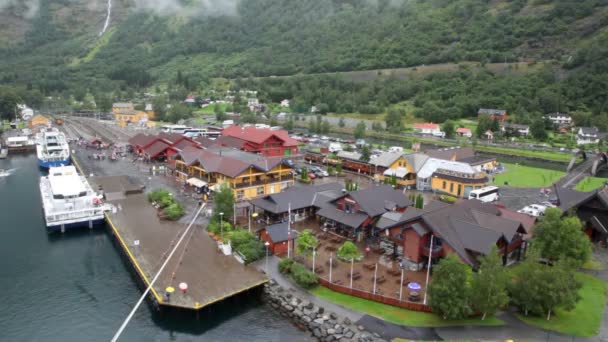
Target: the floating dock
pixel 147 240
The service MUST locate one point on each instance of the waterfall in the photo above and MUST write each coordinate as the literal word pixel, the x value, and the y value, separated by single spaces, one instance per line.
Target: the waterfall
pixel 107 21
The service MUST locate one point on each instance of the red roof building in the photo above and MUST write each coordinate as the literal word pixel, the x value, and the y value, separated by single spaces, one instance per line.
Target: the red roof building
pixel 264 141
pixel 161 146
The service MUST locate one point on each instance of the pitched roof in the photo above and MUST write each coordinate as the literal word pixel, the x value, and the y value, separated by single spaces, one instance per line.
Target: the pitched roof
pixel 170 137
pixel 569 198
pixel 228 141
pixel 258 135
pixel 278 232
pixel 515 126
pixel 299 197
pixel 487 111
pixel 416 160
pixel 426 125
pixel 229 162
pixel 433 164
pixel 142 140
pixel 350 219
pixel 122 105
pixel 376 200
pixel 451 153
pixel 463 130
pixel 589 130
pixel 349 155
pixel 156 148
pixel 386 159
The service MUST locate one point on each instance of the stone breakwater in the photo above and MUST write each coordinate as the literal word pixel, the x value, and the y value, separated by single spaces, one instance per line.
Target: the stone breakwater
pixel 323 325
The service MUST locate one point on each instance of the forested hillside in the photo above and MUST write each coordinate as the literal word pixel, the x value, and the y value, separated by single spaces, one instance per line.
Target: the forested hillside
pixel 58 49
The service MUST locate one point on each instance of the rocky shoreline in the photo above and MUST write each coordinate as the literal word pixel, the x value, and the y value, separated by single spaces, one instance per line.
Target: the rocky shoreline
pixel 323 325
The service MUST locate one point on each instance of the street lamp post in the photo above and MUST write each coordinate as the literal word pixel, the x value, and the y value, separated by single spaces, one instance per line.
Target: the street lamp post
pixel 254 215
pixel 222 226
pixel 266 266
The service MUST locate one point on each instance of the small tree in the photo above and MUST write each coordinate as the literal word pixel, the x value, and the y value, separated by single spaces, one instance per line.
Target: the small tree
pixel 365 153
pixel 348 251
pixel 325 127
pixel 304 174
pixel 223 202
pixel 339 168
pixel 448 129
pixel 306 242
pixel 489 288
pixel 341 122
pixel 561 238
pixel 419 202
pixel 450 292
pixel 360 130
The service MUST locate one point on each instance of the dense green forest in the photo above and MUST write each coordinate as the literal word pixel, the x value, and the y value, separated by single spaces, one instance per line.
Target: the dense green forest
pixel 57 55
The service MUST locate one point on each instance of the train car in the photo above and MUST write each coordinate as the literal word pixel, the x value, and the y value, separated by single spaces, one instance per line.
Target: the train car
pixel 315 157
pixel 357 166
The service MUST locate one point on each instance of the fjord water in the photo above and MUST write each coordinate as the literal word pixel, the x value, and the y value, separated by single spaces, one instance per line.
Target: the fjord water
pixel 76 286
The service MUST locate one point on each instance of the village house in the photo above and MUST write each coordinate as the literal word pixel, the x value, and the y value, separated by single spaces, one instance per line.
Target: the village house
pixel 589 135
pixel 39 121
pixel 302 201
pixel 590 207
pixel 464 155
pixel 489 135
pixel 394 164
pixel 264 141
pixel 449 177
pixel 515 129
pixel 162 146
pixel 429 128
pixel 468 229
pixel 278 236
pixel 352 214
pixel 494 114
pixel 464 132
pixel 120 106
pixel 248 175
pixel 560 119
pixel 25 112
pixel 285 103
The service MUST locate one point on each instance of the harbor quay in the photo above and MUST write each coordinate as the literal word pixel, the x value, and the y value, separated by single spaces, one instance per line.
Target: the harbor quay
pixel 146 240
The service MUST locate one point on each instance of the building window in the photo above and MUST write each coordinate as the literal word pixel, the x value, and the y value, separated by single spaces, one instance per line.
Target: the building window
pixel 284 186
pixel 260 190
pixel 445 185
pixel 459 189
pixel 240 194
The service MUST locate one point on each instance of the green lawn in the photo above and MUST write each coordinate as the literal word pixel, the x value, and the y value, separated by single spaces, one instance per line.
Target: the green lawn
pixel 394 314
pixel 525 176
pixel 210 109
pixel 586 317
pixel 590 183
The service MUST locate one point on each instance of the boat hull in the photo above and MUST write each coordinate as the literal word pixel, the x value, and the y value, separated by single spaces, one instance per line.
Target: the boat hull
pixel 47 164
pixel 75 225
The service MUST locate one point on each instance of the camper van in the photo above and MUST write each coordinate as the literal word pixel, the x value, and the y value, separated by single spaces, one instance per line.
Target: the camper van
pixel 335 147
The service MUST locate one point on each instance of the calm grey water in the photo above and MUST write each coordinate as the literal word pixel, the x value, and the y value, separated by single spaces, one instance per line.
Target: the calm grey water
pixel 76 287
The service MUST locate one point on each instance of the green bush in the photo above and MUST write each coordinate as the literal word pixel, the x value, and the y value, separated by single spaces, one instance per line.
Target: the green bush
pixel 303 276
pixel 285 265
pixel 174 212
pixel 157 195
pixel 348 251
pixel 214 227
pixel 448 199
pixel 247 244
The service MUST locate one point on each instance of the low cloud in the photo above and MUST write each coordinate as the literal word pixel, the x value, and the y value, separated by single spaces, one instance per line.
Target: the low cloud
pixel 191 8
pixel 20 8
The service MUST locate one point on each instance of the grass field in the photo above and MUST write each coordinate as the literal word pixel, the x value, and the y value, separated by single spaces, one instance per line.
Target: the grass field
pixel 397 315
pixel 590 183
pixel 585 318
pixel 525 176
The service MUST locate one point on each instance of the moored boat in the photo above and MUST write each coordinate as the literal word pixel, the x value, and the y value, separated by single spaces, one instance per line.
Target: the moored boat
pixel 69 201
pixel 52 148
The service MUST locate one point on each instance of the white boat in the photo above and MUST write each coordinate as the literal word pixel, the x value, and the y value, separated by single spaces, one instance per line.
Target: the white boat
pixel 69 201
pixel 52 148
pixel 4 173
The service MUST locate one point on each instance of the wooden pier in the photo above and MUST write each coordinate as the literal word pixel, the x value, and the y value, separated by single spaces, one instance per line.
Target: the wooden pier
pixel 147 240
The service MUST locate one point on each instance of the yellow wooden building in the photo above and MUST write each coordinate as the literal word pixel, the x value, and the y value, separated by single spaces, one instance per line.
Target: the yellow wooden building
pixel 39 121
pixel 457 184
pixel 394 164
pixel 249 175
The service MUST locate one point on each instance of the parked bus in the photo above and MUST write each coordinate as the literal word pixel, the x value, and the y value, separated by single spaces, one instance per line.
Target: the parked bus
pixel 174 129
pixel 487 194
pixel 201 132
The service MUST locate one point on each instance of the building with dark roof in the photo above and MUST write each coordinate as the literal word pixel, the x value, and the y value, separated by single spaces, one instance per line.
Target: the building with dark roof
pixel 160 146
pixel 264 141
pixel 494 114
pixel 249 175
pixel 353 213
pixel 590 207
pixel 303 201
pixel 468 228
pixel 278 236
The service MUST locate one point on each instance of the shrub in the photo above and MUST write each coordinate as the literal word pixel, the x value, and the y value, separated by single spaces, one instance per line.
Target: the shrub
pixel 448 199
pixel 174 212
pixel 348 251
pixel 214 227
pixel 247 244
pixel 303 277
pixel 157 195
pixel 285 265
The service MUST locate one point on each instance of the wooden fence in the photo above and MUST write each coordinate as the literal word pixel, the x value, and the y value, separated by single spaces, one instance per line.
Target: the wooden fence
pixel 375 297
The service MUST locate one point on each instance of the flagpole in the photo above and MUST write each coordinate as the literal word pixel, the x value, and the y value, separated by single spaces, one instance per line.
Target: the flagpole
pixel 314 252
pixel 375 275
pixel 352 263
pixel 331 258
pixel 428 269
pixel 401 286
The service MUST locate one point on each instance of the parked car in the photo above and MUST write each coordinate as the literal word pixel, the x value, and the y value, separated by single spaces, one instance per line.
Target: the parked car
pixel 319 174
pixel 312 175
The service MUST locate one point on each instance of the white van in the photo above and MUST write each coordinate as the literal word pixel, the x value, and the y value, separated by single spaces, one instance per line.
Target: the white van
pixel 335 147
pixel 395 149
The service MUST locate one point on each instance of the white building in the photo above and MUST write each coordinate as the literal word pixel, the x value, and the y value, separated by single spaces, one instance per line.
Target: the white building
pixel 285 103
pixel 429 128
pixel 588 135
pixel 25 112
pixel 522 130
pixel 423 177
pixel 560 119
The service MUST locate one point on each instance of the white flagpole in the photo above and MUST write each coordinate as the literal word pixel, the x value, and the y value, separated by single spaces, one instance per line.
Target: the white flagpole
pixel 428 269
pixel 289 230
pixel 331 257
pixel 401 286
pixel 352 264
pixel 314 253
pixel 375 275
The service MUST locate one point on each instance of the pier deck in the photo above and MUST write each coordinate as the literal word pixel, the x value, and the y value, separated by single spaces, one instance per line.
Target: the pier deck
pixel 210 275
